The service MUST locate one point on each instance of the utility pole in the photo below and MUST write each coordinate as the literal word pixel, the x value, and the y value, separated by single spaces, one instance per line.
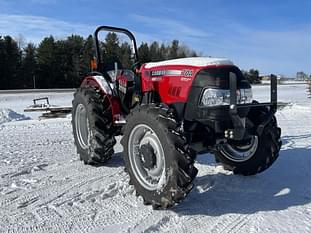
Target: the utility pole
pixel 34 81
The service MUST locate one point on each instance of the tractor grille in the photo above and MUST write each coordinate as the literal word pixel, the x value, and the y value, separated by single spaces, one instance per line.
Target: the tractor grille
pixel 174 91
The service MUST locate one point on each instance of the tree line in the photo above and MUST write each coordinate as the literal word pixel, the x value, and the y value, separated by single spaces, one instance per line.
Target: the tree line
pixel 64 63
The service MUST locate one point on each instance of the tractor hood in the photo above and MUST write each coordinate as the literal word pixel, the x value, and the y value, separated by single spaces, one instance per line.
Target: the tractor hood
pixel 190 61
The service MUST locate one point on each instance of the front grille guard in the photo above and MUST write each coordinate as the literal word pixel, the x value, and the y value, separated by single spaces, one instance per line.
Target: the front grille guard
pixel 238 131
pixel 233 94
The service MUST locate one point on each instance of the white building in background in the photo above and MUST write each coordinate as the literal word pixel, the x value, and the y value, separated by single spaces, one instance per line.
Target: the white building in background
pixel 301 76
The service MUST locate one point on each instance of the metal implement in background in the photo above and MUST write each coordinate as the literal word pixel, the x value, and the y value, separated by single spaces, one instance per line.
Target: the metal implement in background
pixel 50 111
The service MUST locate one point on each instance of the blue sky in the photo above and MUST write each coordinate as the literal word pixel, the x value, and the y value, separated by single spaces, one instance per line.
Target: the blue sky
pixel 272 36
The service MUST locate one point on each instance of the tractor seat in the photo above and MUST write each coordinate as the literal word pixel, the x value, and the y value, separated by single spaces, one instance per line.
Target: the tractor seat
pixel 129 74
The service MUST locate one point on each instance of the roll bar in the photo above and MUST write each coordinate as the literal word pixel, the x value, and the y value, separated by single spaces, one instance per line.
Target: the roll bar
pixel 114 29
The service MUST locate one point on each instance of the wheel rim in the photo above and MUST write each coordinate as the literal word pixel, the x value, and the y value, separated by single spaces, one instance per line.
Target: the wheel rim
pixel 150 178
pixel 82 126
pixel 240 153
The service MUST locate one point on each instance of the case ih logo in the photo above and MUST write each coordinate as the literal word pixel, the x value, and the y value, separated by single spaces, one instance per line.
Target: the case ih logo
pixel 166 72
pixel 158 72
pixel 185 73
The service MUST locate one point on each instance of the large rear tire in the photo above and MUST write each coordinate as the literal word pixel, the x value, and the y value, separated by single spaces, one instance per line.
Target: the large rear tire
pixel 92 126
pixel 259 153
pixel 157 157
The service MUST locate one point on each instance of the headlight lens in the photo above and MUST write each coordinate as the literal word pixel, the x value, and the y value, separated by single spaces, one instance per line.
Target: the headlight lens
pixel 214 97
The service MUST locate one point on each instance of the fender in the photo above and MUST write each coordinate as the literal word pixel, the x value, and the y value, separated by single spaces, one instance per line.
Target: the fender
pixel 99 82
pixel 105 88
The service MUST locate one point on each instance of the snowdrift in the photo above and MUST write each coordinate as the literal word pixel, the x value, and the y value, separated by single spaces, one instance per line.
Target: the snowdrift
pixel 7 115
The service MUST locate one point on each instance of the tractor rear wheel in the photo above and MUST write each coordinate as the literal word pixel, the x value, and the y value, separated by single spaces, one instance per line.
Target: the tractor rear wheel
pixel 258 153
pixel 92 126
pixel 157 156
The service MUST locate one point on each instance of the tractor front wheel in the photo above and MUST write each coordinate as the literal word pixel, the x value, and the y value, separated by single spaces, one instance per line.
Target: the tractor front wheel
pixel 258 153
pixel 157 157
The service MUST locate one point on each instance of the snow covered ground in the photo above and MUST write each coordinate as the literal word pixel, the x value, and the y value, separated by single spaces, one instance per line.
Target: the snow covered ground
pixel 44 187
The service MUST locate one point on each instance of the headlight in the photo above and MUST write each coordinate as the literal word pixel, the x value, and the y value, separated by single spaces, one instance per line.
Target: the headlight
pixel 214 97
pixel 246 96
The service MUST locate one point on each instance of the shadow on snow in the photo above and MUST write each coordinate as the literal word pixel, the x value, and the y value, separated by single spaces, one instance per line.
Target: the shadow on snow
pixel 286 184
pixel 115 161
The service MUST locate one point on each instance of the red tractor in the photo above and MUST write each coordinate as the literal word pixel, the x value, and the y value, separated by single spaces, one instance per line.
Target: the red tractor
pixel 169 111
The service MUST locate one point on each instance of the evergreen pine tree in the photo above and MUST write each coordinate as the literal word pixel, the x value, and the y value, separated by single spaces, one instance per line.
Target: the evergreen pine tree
pixel 28 67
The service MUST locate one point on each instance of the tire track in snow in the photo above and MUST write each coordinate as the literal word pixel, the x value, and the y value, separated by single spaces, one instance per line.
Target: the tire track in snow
pixel 30 197
pixel 109 206
pixel 239 222
pixel 38 196
pixel 158 225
